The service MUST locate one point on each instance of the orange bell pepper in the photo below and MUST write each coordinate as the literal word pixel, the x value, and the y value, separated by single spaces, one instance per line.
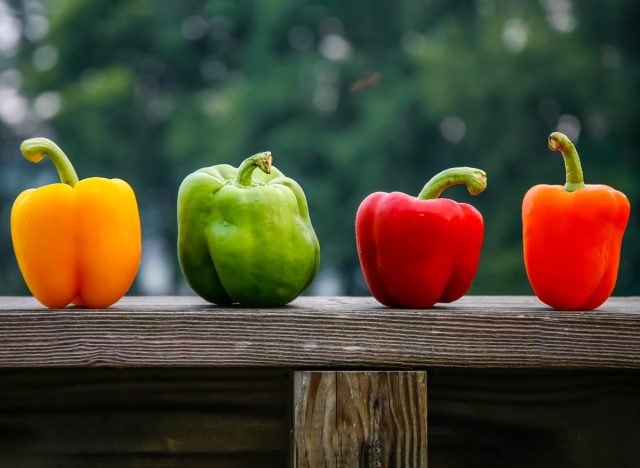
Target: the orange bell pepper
pixel 572 236
pixel 75 241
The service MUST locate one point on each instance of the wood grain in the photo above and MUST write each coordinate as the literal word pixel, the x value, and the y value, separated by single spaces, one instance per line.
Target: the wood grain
pixel 321 332
pixel 175 417
pixel 532 418
pixel 314 416
pixel 346 419
pixel 144 417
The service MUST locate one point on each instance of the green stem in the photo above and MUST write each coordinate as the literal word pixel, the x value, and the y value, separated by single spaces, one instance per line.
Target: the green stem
pixel 245 171
pixel 35 149
pixel 474 179
pixel 575 178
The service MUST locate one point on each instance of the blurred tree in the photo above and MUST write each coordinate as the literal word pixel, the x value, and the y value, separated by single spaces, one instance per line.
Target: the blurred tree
pixel 351 97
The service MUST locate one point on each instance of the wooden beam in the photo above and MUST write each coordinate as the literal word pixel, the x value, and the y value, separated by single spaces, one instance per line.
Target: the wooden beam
pixel 331 333
pixel 199 417
pixel 344 419
pixel 144 417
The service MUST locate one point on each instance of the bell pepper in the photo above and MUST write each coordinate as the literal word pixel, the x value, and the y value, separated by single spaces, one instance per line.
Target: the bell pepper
pixel 246 237
pixel 572 236
pixel 415 252
pixel 75 241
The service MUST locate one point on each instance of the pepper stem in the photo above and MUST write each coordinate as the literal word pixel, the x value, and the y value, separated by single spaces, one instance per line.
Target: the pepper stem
pixel 35 149
pixel 474 179
pixel 575 178
pixel 245 171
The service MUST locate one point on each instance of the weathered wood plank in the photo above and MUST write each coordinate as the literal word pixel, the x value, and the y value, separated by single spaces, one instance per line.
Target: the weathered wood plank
pixel 345 419
pixel 144 417
pixel 496 418
pixel 382 418
pixel 531 418
pixel 314 415
pixel 321 332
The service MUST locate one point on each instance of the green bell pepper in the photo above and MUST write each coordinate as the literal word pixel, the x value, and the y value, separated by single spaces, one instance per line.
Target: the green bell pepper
pixel 245 237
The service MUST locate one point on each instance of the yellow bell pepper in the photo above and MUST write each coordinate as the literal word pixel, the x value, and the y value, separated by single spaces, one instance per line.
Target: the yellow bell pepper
pixel 75 241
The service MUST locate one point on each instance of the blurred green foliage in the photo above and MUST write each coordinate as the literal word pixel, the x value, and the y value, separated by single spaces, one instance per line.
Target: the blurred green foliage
pixel 351 97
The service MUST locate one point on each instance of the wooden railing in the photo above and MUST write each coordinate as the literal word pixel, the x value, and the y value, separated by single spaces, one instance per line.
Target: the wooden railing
pixel 348 379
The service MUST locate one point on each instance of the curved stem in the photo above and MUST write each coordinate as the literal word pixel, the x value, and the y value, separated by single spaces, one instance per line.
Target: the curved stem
pixel 245 171
pixel 575 178
pixel 474 179
pixel 35 149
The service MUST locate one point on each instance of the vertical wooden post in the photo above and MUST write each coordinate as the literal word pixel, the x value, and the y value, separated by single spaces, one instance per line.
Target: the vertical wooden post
pixel 346 419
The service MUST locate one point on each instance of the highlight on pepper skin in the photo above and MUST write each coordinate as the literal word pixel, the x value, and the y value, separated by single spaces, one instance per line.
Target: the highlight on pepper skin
pixel 77 241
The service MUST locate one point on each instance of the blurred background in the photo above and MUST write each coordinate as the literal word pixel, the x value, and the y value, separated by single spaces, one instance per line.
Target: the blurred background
pixel 351 97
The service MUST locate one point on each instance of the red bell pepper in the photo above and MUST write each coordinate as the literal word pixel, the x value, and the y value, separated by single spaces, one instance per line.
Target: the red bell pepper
pixel 572 236
pixel 415 252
